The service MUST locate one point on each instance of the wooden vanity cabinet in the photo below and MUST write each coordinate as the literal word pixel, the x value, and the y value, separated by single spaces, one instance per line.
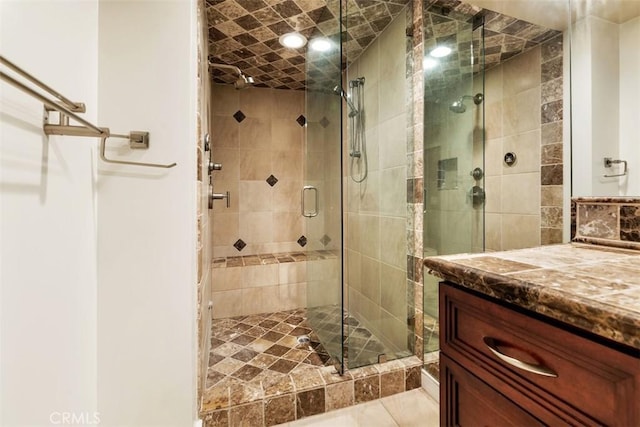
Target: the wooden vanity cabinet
pixel 501 365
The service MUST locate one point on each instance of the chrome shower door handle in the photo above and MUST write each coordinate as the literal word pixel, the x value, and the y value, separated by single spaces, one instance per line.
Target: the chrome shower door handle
pixel 313 212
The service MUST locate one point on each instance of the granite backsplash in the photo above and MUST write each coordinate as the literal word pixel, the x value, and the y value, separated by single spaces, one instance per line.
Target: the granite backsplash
pixel 610 221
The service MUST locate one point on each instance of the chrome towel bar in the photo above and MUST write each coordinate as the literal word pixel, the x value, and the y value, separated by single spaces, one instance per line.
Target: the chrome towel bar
pixel 66 109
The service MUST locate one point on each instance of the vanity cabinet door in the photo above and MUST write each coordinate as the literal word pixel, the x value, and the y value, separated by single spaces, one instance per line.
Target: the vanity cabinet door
pixel 548 371
pixel 467 401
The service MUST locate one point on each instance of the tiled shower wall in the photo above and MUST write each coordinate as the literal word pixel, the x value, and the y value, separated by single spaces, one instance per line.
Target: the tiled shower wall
pixel 376 208
pixel 258 137
pixel 523 115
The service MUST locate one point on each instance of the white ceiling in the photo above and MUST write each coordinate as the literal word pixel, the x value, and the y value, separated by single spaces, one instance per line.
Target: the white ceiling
pixel 554 13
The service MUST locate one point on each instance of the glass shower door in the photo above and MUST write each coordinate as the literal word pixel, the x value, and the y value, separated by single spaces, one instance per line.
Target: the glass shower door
pixel 322 194
pixel 453 145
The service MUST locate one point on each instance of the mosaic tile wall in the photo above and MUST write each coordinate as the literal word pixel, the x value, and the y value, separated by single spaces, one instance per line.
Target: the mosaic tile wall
pixel 610 221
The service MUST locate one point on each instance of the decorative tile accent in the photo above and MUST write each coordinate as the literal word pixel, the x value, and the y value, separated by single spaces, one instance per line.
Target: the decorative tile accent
pixel 599 221
pixel 239 116
pixel 239 245
pixel 611 221
pixel 630 223
pixel 302 120
pixel 325 240
pixel 324 122
pixel 272 180
pixel 265 259
pixel 302 241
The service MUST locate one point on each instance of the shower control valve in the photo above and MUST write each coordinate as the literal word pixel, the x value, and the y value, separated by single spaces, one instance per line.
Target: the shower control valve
pixel 214 166
pixel 218 196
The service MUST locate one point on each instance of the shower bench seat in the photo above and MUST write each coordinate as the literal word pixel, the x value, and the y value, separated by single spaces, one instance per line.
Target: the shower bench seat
pixel 270 282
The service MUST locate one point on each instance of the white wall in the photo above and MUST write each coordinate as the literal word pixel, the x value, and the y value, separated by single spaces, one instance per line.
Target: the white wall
pixel 594 105
pixel 97 263
pixel 47 219
pixel 629 111
pixel 146 254
pixel 605 63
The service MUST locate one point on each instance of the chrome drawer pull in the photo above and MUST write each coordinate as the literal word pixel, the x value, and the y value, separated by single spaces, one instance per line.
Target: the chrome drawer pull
pixel 535 369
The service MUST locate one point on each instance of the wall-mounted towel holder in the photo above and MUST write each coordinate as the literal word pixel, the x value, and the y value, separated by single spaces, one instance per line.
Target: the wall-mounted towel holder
pixel 609 162
pixel 68 109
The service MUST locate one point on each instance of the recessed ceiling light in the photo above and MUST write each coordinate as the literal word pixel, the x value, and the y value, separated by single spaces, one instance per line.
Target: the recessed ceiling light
pixel 440 51
pixel 292 40
pixel 320 44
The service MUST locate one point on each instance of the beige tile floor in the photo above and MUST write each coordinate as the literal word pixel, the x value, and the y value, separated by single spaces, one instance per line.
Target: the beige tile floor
pixel 409 409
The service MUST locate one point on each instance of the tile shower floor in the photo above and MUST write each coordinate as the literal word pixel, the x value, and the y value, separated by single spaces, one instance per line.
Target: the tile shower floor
pixel 246 350
pixel 249 350
pixel 260 375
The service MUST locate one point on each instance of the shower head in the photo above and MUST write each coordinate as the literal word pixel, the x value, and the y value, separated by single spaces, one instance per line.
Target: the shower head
pixel 340 92
pixel 243 80
pixel 458 105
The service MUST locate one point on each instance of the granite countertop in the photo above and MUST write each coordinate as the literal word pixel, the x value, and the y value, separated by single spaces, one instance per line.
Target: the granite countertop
pixel 594 288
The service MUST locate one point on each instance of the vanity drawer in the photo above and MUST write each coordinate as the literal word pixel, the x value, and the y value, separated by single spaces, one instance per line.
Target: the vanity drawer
pixel 574 378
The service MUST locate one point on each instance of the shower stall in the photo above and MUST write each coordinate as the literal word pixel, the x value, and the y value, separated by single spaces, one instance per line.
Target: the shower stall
pixel 310 272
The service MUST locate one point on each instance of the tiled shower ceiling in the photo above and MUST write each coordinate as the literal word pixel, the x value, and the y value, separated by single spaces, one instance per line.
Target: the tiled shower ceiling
pixel 245 33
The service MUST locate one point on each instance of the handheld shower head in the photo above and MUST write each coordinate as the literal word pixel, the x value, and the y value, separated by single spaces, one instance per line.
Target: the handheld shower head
pixel 340 92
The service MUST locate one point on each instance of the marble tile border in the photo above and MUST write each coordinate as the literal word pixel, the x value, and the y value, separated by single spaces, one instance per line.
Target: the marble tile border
pixel 275 258
pixel 327 392
pixel 415 173
pixel 608 221
pixel 551 162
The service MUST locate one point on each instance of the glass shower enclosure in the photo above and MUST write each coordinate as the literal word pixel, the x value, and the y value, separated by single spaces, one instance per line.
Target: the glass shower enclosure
pixel 348 290
pixel 453 144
